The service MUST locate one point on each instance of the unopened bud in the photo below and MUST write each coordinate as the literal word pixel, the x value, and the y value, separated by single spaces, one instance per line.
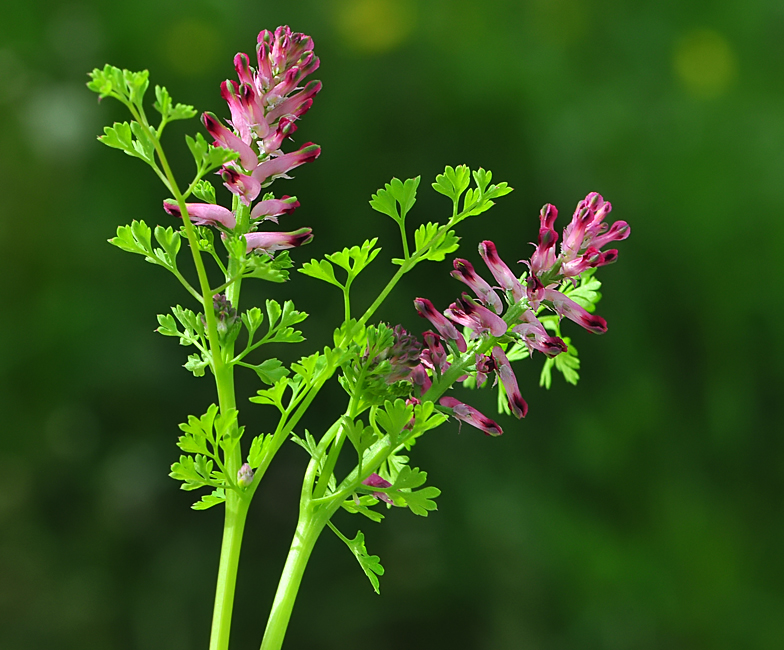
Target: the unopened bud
pixel 245 476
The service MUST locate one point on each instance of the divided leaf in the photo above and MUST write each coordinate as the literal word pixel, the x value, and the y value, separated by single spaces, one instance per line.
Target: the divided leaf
pixel 396 199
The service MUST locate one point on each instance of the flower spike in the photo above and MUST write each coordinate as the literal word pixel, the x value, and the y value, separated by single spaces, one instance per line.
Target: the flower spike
pixel 464 271
pixel 501 272
pixel 427 310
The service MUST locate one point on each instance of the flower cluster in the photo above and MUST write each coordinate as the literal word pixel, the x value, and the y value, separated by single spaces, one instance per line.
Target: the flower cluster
pixel 265 105
pixel 482 316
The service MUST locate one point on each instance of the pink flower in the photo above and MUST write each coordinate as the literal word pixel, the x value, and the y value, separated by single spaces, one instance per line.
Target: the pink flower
pixel 271 242
pixel 501 272
pixel 517 404
pixel 420 378
pixel 244 186
pixel 568 308
pixel 471 416
pixel 374 480
pixel 434 355
pixel 225 138
pixel 535 336
pixel 271 169
pixel 544 256
pixel 271 209
pixel 476 317
pixel 203 214
pixel 464 271
pixel 442 325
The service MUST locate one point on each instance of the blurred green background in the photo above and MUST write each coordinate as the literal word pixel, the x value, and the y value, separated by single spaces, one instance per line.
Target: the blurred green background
pixel 641 509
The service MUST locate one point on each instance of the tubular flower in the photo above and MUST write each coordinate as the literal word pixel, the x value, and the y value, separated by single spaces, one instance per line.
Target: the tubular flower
pixel 420 378
pixel 403 355
pixel 501 272
pixel 434 355
pixel 505 373
pixel 375 481
pixel 203 214
pixel 566 307
pixel 464 271
pixel 225 138
pixel 544 255
pixel 271 242
pixel 271 209
pixel 273 168
pixel 471 416
pixel 442 325
pixel 476 317
pixel 244 186
pixel 535 336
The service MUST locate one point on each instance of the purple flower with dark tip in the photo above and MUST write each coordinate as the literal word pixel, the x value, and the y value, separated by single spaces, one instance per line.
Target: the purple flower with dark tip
pixel 568 308
pixel 471 416
pixel 271 209
pixel 271 242
pixel 464 271
pixel 476 317
pixel 203 214
pixel 501 272
pixel 439 321
pixel 375 481
pixel 484 366
pixel 517 404
pixel 434 355
pixel 535 336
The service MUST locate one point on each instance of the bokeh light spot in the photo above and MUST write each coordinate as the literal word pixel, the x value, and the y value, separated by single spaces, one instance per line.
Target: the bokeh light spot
pixel 191 47
pixel 374 26
pixel 705 63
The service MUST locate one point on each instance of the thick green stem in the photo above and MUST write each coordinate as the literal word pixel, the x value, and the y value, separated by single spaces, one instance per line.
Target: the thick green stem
pixel 311 523
pixel 234 526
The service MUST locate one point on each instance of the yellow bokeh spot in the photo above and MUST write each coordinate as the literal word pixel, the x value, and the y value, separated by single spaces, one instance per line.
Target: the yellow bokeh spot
pixel 374 26
pixel 705 63
pixel 191 47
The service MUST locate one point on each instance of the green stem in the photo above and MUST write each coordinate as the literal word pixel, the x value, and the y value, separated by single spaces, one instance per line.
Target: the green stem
pixel 233 528
pixel 311 522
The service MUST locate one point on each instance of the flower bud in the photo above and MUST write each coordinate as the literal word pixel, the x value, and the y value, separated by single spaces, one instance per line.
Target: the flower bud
pixel 244 476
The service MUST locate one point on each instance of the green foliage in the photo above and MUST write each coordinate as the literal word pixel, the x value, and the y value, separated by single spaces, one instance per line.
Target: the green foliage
pixel 270 371
pixel 124 85
pixel 434 243
pixel 206 156
pixel 271 269
pixel 259 448
pixel 403 493
pixel 396 199
pixel 586 292
pixel 370 564
pixel 207 438
pixel 353 260
pixel 280 321
pixel 137 238
pixel 205 191
pixel 361 505
pixel 394 417
pixel 453 182
pixel 169 111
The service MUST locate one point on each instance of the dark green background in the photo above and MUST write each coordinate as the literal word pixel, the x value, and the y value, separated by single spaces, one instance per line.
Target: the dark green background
pixel 641 509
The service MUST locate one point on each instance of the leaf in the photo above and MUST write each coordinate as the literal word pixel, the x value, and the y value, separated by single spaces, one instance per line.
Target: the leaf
pixel 205 191
pixel 167 325
pixel 282 332
pixel 394 417
pixel 143 144
pixel 356 258
pixel 321 270
pixel 273 396
pixel 371 564
pixel 453 182
pixel 196 364
pixel 118 136
pixel 252 319
pixel 396 199
pixel 567 363
pixel 271 269
pixel 586 293
pixel 258 449
pixel 163 104
pixel 270 371
pixel 421 502
pixel 193 471
pixel 134 238
pixel 362 508
pixel 409 478
pixel 208 500
pixel 170 240
pixel 440 245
